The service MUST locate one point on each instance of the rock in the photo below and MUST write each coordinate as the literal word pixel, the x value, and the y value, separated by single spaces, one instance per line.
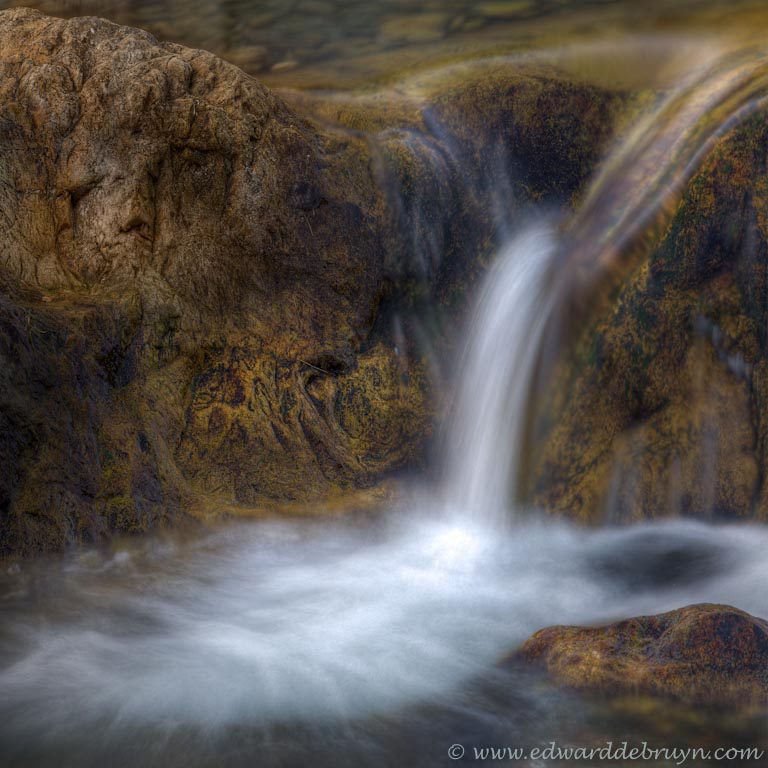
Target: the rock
pixel 701 654
pixel 178 218
pixel 460 144
pixel 202 293
pixel 658 407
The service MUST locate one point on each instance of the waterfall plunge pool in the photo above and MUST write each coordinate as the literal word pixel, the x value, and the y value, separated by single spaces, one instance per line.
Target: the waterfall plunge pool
pixel 374 643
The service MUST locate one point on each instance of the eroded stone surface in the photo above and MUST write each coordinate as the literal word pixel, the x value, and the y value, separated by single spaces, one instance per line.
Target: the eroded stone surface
pixel 206 296
pixel 658 408
pixel 710 654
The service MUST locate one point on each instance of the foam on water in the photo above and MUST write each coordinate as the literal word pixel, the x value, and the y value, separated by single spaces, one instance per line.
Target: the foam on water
pixel 273 622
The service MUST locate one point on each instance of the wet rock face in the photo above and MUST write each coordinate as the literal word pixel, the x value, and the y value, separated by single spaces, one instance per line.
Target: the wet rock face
pixel 659 407
pixel 198 285
pixel 461 156
pixel 701 654
pixel 190 292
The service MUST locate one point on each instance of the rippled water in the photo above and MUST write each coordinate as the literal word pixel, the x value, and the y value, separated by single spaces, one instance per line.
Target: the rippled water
pixel 285 640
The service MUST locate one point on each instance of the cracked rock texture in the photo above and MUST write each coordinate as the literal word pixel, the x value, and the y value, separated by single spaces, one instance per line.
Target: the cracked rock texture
pixel 203 294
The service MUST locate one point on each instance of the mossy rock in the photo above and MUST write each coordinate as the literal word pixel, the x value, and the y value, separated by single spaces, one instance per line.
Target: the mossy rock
pixel 204 286
pixel 658 407
pixel 711 655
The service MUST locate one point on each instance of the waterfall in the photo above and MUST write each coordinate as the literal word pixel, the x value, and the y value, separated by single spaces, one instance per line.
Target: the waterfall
pixel 495 374
pixel 641 176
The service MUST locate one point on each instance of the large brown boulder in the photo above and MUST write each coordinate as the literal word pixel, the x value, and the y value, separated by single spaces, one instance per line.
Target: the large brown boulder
pixel 701 654
pixel 183 272
pixel 658 407
pixel 204 294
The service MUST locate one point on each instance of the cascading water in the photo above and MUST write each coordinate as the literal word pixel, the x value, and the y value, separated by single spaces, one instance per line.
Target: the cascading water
pixel 287 643
pixel 519 294
pixel 496 370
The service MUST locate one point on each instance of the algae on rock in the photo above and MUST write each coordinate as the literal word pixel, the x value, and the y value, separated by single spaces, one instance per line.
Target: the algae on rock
pixel 202 288
pixel 659 406
pixel 711 655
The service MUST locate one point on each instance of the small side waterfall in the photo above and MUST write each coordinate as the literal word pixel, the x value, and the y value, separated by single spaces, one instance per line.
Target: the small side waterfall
pixel 642 176
pixel 496 370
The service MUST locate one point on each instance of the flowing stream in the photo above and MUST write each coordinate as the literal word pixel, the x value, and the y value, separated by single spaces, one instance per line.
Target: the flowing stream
pixel 379 639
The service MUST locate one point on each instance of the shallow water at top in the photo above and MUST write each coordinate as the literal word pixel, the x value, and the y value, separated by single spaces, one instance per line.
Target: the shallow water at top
pixel 332 43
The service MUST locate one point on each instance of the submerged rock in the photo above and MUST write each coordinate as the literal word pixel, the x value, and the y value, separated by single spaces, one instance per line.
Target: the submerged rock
pixel 203 292
pixel 701 654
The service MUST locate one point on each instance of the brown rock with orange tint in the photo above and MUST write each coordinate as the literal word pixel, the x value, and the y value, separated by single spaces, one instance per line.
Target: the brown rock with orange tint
pixel 205 296
pixel 702 654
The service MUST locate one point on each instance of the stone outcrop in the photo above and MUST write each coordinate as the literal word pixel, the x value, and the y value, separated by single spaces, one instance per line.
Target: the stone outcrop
pixel 701 654
pixel 658 407
pixel 203 292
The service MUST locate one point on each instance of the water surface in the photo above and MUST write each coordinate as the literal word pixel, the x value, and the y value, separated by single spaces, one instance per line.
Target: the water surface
pixel 334 641
pixel 341 42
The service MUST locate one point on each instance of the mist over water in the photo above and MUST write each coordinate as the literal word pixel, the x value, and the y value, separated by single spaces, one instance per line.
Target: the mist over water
pixel 269 623
pixel 346 628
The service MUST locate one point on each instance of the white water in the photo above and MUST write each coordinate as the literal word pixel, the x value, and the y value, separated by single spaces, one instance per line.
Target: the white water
pixel 280 622
pixel 267 623
pixel 495 375
pixel 287 622
pixel 297 623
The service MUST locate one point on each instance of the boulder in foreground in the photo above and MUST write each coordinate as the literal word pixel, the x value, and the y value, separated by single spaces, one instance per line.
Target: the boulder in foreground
pixel 700 654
